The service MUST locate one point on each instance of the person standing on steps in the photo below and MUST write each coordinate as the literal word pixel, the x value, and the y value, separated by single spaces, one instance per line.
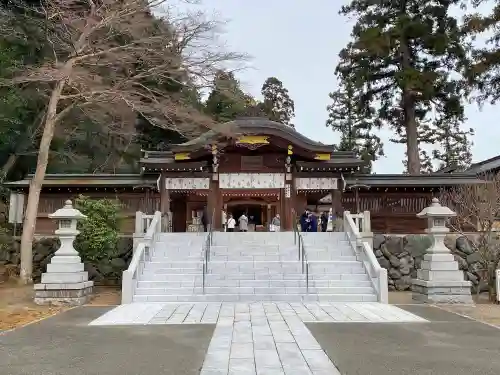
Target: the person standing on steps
pixel 243 223
pixel 324 221
pixel 231 223
pixel 204 219
pixel 276 223
pixel 313 223
pixel 304 221
pixel 224 220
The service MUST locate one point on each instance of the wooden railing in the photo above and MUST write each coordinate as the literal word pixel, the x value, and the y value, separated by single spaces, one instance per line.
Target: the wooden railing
pixel 142 254
pixel 378 275
pixel 388 203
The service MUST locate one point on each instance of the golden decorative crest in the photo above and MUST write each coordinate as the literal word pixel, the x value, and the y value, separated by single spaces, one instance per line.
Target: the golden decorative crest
pixel 182 156
pixel 290 150
pixel 322 157
pixel 253 140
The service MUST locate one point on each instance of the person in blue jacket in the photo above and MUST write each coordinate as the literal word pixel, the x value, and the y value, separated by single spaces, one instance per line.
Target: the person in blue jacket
pixel 304 221
pixel 313 223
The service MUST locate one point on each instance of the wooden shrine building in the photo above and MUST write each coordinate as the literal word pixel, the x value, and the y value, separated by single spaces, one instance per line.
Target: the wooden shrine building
pixel 267 169
pixel 264 168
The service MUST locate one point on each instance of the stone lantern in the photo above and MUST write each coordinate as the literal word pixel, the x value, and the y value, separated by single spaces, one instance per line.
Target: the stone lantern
pixel 65 281
pixel 439 279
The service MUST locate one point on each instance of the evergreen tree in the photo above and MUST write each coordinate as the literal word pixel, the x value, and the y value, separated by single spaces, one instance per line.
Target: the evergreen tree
pixel 484 72
pixel 227 100
pixel 354 128
pixel 277 104
pixel 425 136
pixel 405 56
pixel 455 144
pixel 426 163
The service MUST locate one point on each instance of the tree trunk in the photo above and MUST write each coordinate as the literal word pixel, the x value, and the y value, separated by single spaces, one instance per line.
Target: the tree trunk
pixel 411 135
pixel 410 122
pixel 9 164
pixel 36 185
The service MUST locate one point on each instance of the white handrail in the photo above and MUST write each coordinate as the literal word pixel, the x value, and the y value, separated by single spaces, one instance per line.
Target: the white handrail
pixel 142 253
pixel 378 275
pixel 497 274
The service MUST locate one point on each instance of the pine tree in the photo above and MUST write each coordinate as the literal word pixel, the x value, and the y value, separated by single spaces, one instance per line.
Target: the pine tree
pixel 354 128
pixel 405 56
pixel 278 105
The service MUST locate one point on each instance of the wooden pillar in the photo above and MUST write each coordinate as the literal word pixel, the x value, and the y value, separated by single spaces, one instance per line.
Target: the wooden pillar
pixel 287 216
pixel 214 205
pixel 337 198
pixel 164 202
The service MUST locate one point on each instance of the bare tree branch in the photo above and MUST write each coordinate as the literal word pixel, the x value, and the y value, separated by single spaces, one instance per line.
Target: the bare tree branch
pixel 478 210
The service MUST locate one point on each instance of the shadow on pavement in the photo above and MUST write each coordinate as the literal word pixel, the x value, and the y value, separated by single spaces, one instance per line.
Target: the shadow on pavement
pixel 66 345
pixel 447 345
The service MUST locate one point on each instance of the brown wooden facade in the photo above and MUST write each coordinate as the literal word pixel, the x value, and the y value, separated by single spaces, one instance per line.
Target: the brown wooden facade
pixel 264 169
pixel 262 148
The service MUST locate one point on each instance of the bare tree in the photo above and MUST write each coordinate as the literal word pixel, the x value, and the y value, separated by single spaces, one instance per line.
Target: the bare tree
pixel 478 211
pixel 114 59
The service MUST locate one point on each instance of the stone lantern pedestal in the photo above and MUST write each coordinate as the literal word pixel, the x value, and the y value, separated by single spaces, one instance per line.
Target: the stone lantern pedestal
pixel 439 279
pixel 65 281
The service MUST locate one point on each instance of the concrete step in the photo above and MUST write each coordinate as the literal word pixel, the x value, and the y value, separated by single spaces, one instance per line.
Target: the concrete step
pixel 257 297
pixel 163 271
pixel 254 264
pixel 253 290
pixel 253 283
pixel 279 258
pixel 197 277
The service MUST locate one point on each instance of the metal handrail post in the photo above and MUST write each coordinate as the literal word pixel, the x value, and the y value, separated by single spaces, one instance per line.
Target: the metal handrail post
pixel 203 280
pixel 307 278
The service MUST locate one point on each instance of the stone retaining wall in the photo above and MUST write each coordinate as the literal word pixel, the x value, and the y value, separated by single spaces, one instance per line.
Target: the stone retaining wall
pixel 107 271
pixel 402 255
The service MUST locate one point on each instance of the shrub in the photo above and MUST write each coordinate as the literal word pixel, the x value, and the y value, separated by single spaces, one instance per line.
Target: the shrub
pixel 98 236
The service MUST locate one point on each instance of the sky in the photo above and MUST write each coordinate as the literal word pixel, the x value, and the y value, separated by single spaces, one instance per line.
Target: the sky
pixel 298 42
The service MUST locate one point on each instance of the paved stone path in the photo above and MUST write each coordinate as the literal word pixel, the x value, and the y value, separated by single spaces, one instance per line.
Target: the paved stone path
pixel 259 338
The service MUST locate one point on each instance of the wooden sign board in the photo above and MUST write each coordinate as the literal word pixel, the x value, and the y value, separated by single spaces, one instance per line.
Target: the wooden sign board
pixel 252 163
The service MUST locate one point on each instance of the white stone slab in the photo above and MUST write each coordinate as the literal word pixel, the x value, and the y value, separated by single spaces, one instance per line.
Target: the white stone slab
pixel 64 277
pixel 196 313
pixel 64 267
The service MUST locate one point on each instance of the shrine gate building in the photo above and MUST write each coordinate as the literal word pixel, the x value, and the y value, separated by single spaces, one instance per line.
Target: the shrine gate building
pixel 265 169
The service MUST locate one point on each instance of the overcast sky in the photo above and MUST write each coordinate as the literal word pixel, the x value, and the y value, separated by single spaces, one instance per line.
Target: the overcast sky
pixel 298 42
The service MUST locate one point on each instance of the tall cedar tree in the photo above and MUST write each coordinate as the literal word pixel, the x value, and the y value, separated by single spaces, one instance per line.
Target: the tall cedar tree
pixel 452 142
pixel 426 164
pixel 278 105
pixel 425 137
pixel 485 70
pixel 455 145
pixel 227 100
pixel 354 128
pixel 405 55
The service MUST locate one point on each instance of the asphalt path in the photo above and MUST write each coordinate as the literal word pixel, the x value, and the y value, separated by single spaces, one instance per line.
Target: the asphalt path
pixel 65 345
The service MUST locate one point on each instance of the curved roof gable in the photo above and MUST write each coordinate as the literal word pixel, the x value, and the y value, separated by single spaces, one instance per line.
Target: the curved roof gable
pixel 254 125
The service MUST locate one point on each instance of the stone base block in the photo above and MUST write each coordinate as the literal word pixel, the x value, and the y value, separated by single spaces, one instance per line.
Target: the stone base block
pixel 63 294
pixel 64 277
pixel 442 292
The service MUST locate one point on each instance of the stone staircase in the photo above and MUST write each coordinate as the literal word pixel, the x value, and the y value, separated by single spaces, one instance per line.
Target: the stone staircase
pixel 253 266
